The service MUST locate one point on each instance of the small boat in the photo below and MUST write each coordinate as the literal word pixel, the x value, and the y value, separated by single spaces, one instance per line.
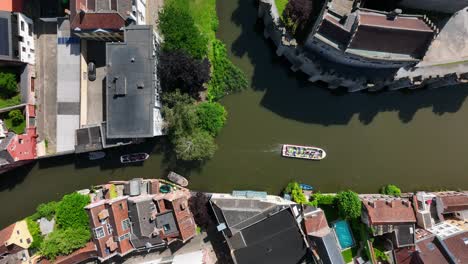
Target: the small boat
pixel 134 157
pixel 306 187
pixel 303 152
pixel 96 155
pixel 177 179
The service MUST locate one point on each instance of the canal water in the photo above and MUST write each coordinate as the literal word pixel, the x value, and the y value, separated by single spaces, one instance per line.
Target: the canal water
pixel 416 140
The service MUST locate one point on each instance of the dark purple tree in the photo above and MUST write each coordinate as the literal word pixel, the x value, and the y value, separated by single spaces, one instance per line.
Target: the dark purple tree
pixel 199 206
pixel 297 14
pixel 178 70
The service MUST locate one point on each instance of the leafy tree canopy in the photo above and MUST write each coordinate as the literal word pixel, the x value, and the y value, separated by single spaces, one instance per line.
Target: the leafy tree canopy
pixel 349 205
pixel 47 210
pixel 8 85
pixel 70 212
pixel 211 117
pixel 16 117
pixel 180 71
pixel 180 32
pixel 196 146
pixel 172 99
pixel 297 14
pixel 64 242
pixel 35 231
pixel 391 189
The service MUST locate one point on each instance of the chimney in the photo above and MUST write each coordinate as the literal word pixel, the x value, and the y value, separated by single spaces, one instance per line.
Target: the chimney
pixel 394 14
pixel 389 203
pixel 371 203
pixel 405 203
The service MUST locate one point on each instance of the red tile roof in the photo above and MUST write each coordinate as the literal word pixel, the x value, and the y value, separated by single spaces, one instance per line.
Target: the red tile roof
pixel 184 218
pixel 31 110
pixel 316 224
pixel 404 35
pixel 458 246
pixel 407 255
pixel 78 256
pixel 5 234
pixel 393 211
pixel 93 21
pixel 23 147
pixel 455 202
pixel 11 5
pixel 431 251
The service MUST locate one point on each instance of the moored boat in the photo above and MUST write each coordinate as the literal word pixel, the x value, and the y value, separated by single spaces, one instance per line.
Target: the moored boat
pixel 306 187
pixel 303 152
pixel 177 179
pixel 134 157
pixel 96 155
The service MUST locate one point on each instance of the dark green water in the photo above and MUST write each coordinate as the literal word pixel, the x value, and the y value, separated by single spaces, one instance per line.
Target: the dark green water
pixel 415 140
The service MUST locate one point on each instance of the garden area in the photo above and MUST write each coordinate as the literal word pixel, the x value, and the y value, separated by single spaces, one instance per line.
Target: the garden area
pixel 70 226
pixel 195 73
pixel 9 92
pixel 14 121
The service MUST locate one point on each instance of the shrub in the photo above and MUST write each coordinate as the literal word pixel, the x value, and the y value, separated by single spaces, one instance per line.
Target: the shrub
pixel 35 231
pixel 180 32
pixel 71 213
pixel 296 193
pixel 8 85
pixel 297 14
pixel 391 189
pixel 324 199
pixel 47 210
pixel 64 242
pixel 174 98
pixel 380 255
pixel 16 117
pixel 178 70
pixel 211 117
pixel 196 146
pixel 349 204
pixel 226 77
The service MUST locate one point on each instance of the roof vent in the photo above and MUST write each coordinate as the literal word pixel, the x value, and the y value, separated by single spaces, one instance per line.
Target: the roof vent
pixel 132 59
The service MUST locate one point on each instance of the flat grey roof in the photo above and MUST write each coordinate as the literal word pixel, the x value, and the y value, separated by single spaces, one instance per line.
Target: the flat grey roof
pixel 130 85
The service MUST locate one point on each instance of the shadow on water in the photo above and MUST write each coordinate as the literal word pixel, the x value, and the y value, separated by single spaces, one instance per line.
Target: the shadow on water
pixel 290 95
pixel 10 179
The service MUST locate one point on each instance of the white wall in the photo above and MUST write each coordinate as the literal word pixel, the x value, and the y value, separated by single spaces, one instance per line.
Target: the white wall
pixel 462 215
pixel 26 47
pixel 141 12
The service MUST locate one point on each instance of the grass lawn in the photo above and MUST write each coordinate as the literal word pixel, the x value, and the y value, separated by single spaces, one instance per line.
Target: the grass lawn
pixel 19 129
pixel 349 254
pixel 281 5
pixel 15 100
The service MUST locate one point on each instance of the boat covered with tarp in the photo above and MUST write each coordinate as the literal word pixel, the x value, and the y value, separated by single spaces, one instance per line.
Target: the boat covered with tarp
pixel 134 157
pixel 303 152
pixel 177 179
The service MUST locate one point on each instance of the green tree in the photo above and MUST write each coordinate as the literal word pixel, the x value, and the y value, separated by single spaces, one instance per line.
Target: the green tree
pixel 391 189
pixel 226 77
pixel 16 117
pixel 180 32
pixel 349 204
pixel 64 242
pixel 35 231
pixel 8 85
pixel 297 195
pixel 174 98
pixel 182 119
pixel 211 117
pixel 196 146
pixel 71 213
pixel 47 210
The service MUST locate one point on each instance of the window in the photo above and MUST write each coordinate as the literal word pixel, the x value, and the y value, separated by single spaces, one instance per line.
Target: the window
pixel 21 240
pixel 123 237
pixel 166 227
pixel 30 29
pixel 23 49
pixel 17 232
pixel 99 232
pixel 28 241
pixel 125 224
pixel 22 25
pixel 110 230
pixel 121 206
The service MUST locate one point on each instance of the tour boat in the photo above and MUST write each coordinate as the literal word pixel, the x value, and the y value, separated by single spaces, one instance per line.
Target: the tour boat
pixel 96 155
pixel 178 179
pixel 303 152
pixel 134 157
pixel 306 187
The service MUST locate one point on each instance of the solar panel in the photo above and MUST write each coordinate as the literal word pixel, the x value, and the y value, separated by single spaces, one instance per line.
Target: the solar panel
pixel 5 43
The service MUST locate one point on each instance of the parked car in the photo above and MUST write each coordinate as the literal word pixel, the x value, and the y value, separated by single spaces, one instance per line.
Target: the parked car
pixel 91 71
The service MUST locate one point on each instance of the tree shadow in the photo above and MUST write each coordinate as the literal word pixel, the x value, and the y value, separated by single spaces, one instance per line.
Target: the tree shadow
pixel 290 95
